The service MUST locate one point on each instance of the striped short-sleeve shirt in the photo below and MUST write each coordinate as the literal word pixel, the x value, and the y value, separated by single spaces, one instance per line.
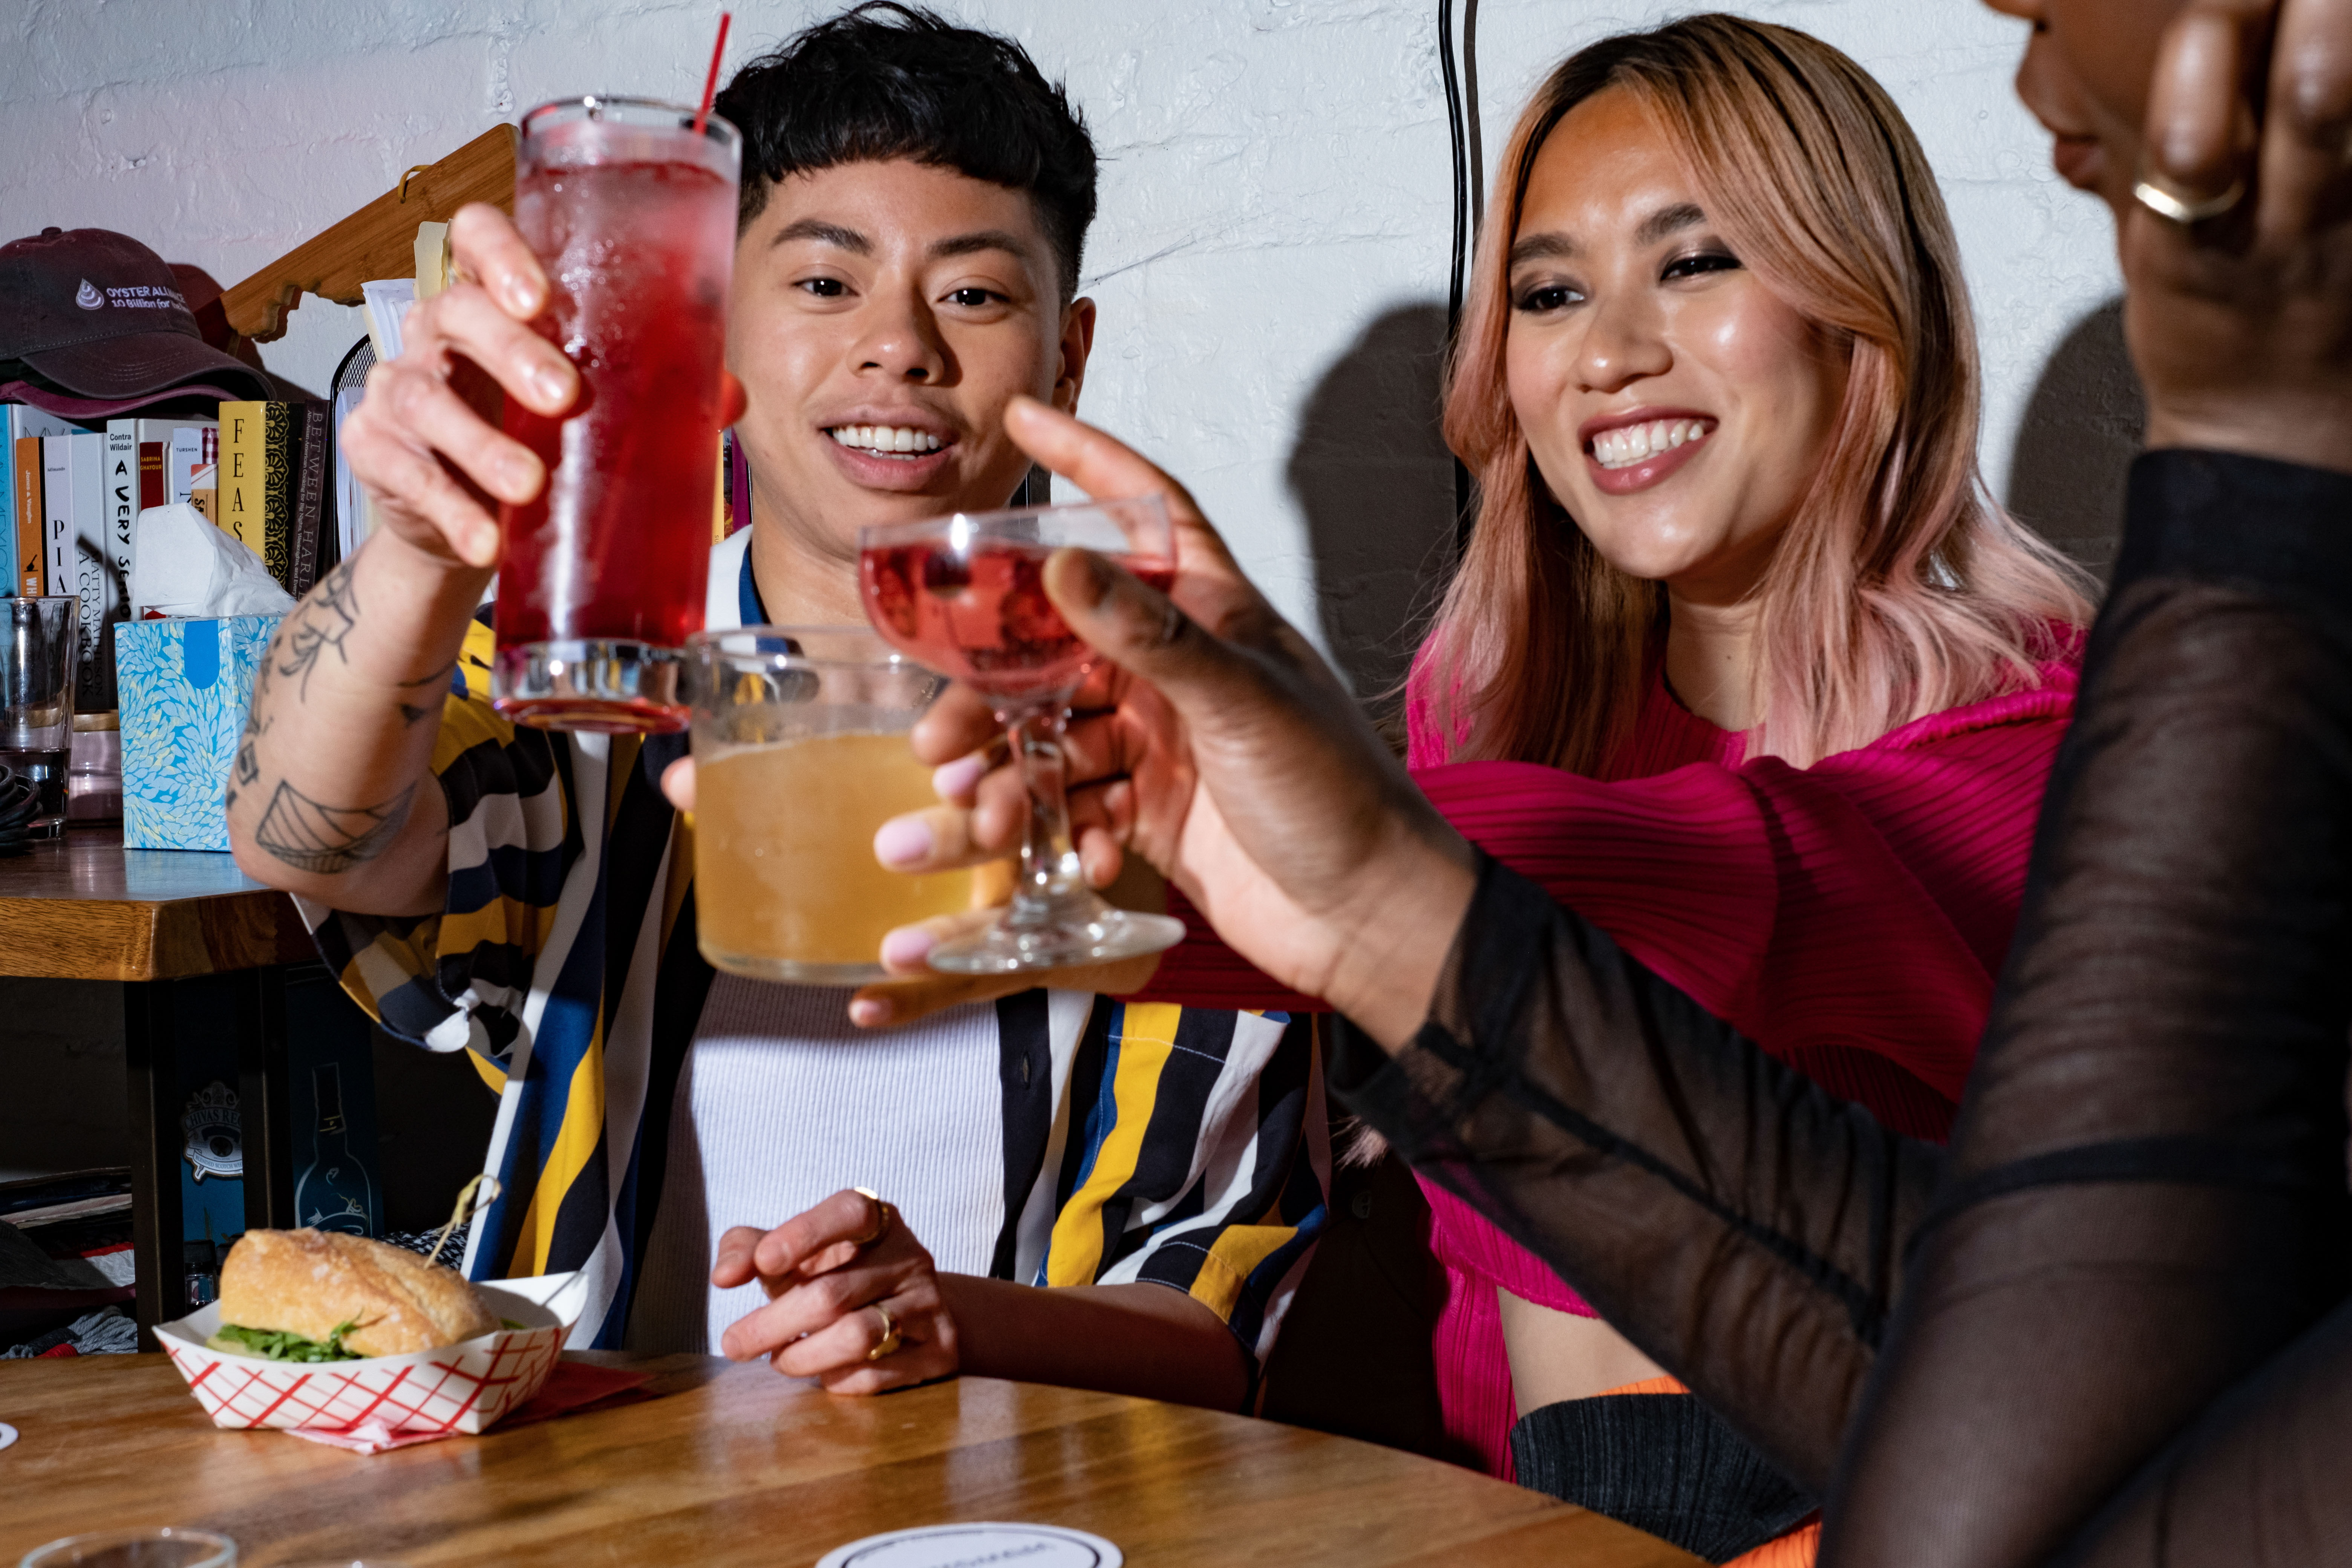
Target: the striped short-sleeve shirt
pixel 1181 1146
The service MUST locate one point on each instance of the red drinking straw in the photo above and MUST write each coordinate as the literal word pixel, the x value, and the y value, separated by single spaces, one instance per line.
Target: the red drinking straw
pixel 710 82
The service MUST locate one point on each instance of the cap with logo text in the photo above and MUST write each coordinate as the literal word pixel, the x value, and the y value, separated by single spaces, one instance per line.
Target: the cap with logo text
pixel 102 316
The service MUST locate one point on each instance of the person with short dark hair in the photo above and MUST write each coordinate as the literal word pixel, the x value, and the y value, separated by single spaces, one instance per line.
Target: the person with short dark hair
pixel 916 199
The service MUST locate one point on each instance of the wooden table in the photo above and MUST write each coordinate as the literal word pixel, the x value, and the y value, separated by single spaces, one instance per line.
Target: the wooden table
pixel 84 907
pixel 734 1465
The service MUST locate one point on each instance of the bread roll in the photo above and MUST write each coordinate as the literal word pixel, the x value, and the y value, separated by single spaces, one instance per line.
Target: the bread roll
pixel 311 1283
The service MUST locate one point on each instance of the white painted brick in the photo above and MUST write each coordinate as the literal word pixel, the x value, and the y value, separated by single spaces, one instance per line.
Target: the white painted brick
pixel 1275 186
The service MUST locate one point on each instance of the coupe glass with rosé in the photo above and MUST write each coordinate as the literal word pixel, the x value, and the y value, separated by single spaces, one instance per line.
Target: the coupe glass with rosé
pixel 799 754
pixel 632 212
pixel 966 596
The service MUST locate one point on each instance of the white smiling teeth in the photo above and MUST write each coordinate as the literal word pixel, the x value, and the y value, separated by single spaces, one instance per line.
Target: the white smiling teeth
pixel 1631 444
pixel 886 438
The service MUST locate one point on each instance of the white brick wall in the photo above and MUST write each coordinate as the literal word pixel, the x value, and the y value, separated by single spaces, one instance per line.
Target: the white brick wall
pixel 1274 215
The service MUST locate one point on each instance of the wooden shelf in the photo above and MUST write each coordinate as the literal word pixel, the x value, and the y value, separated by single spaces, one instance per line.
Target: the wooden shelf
pixel 377 241
pixel 85 907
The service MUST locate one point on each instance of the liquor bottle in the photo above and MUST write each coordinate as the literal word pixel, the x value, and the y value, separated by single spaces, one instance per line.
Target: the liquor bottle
pixel 332 1192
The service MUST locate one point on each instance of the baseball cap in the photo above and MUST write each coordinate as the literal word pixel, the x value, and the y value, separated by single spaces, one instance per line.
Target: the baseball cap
pixel 99 315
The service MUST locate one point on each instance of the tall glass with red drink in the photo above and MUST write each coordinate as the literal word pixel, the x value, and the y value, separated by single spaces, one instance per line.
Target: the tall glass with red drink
pixel 632 212
pixel 966 596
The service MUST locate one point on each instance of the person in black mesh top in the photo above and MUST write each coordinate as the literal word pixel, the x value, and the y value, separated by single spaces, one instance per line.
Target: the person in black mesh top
pixel 2114 1324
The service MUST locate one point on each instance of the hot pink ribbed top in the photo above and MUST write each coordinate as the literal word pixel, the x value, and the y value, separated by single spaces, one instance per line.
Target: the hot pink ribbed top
pixel 1849 917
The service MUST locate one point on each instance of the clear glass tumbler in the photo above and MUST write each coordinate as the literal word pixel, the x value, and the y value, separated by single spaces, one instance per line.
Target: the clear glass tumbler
pixel 36 681
pixel 165 1546
pixel 601 579
pixel 799 754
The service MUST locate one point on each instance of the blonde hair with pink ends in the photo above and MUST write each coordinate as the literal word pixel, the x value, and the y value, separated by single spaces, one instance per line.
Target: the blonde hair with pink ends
pixel 1899 587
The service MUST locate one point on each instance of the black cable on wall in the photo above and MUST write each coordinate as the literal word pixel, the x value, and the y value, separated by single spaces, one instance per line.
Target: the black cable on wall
pixel 1461 178
pixel 1470 120
pixel 1469 197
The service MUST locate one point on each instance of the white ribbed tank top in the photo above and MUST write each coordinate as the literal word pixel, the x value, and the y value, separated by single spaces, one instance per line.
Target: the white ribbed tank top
pixel 781 1102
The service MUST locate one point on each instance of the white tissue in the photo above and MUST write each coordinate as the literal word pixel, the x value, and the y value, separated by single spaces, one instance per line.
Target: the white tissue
pixel 182 565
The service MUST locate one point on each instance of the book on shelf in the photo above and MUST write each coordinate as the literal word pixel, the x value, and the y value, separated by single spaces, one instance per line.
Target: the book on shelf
pixel 122 502
pixel 57 513
pixel 23 523
pixel 350 502
pixel 150 473
pixel 25 488
pixel 313 548
pixel 195 446
pixel 260 479
pixel 74 503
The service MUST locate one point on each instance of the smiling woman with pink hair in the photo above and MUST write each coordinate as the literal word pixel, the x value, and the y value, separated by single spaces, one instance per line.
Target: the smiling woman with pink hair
pixel 1742 662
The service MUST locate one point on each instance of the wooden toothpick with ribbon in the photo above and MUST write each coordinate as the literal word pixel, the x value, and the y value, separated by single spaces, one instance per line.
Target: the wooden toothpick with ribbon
pixel 487 1186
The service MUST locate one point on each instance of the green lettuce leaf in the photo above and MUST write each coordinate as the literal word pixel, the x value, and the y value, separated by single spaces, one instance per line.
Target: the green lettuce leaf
pixel 277 1344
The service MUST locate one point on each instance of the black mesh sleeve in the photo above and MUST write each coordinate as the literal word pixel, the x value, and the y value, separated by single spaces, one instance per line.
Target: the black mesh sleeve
pixel 1722 1212
pixel 2123 1334
pixel 2148 1197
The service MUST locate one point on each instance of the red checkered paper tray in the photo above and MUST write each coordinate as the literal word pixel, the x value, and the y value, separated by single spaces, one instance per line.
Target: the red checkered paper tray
pixel 464 1387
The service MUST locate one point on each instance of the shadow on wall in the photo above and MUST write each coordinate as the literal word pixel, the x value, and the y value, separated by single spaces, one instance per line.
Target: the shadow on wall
pixel 2074 450
pixel 1373 475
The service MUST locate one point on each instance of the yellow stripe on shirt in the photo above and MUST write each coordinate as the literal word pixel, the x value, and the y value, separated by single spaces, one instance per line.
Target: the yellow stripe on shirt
pixel 1231 1259
pixel 575 1145
pixel 1147 1038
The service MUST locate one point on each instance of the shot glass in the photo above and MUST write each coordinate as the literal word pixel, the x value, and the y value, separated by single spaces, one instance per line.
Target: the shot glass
pixel 799 754
pixel 167 1546
pixel 36 680
pixel 632 212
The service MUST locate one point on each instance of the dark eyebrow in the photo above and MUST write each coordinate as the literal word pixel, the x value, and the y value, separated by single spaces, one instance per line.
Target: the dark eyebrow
pixel 1665 221
pixel 823 233
pixel 984 239
pixel 1542 247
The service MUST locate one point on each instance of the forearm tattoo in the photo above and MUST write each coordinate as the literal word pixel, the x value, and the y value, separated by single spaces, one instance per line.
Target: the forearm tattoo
pixel 310 835
pixel 409 712
pixel 304 833
pixel 324 620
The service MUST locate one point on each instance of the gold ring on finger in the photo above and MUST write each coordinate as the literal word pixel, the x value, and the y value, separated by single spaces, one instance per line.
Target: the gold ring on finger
pixel 885 1216
pixel 2169 200
pixel 889 1342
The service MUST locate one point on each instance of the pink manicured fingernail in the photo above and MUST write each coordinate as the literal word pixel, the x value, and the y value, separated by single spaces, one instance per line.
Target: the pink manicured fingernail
pixel 870 1015
pixel 904 948
pixel 902 840
pixel 953 781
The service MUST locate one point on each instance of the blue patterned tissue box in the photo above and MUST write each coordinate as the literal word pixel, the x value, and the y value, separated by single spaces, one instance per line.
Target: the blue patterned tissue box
pixel 185 685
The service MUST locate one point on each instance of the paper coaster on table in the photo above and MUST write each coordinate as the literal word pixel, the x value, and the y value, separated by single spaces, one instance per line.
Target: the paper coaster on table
pixel 7 1434
pixel 969 1545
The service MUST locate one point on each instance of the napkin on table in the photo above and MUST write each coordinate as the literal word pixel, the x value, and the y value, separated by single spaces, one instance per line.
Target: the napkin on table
pixel 572 1386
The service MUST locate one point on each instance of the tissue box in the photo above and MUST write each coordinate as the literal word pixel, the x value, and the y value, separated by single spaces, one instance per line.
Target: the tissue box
pixel 185 686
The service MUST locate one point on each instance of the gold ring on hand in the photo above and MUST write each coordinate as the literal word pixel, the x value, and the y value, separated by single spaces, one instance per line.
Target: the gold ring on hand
pixel 2168 200
pixel 885 1216
pixel 891 1341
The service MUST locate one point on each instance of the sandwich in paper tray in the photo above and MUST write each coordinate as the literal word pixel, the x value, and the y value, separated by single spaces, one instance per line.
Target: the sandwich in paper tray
pixel 463 1387
pixel 328 1333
